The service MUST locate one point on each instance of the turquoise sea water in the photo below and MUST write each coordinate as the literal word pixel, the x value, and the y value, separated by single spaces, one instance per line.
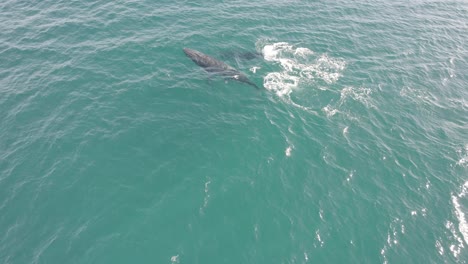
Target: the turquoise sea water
pixel 116 148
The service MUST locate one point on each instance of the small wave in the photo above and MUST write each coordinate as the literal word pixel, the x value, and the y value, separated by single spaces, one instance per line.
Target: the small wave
pixel 207 196
pixel 463 156
pixel 360 94
pixel 349 96
pixel 330 111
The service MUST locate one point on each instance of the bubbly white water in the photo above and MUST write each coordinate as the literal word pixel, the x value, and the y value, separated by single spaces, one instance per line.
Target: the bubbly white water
pixel 298 66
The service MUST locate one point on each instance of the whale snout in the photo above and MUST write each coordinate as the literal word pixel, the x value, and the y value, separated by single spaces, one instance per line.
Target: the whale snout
pixel 186 50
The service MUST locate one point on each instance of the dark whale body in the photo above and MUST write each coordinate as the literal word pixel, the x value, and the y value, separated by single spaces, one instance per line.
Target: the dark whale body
pixel 213 65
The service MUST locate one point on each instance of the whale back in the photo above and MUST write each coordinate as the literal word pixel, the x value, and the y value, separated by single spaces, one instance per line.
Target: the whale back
pixel 211 64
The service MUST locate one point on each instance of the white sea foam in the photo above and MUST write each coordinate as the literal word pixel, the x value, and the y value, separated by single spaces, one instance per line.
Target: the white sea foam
pixel 457 247
pixel 318 238
pixel 439 247
pixel 281 83
pixel 459 211
pixel 298 66
pixel 463 161
pixel 254 69
pixel 175 259
pixel 287 152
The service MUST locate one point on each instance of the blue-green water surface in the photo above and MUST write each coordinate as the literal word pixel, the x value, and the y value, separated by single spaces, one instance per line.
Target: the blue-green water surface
pixel 117 148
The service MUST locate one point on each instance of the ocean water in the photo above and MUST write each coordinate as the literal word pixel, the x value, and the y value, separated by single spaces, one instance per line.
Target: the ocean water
pixel 116 148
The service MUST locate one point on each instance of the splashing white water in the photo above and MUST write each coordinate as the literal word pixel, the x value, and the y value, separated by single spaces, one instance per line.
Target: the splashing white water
pixel 298 65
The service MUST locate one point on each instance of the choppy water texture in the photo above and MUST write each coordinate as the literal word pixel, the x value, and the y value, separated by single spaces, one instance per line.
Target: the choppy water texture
pixel 116 148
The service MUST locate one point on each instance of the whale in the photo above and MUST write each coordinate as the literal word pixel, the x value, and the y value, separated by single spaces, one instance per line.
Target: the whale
pixel 215 66
pixel 241 55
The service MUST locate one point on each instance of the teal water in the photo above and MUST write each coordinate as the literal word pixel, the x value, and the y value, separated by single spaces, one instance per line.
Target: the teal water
pixel 116 148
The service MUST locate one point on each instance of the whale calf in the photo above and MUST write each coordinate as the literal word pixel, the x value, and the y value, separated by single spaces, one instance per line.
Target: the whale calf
pixel 213 65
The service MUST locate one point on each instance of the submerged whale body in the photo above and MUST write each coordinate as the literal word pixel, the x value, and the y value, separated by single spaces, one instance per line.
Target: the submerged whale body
pixel 242 55
pixel 213 65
